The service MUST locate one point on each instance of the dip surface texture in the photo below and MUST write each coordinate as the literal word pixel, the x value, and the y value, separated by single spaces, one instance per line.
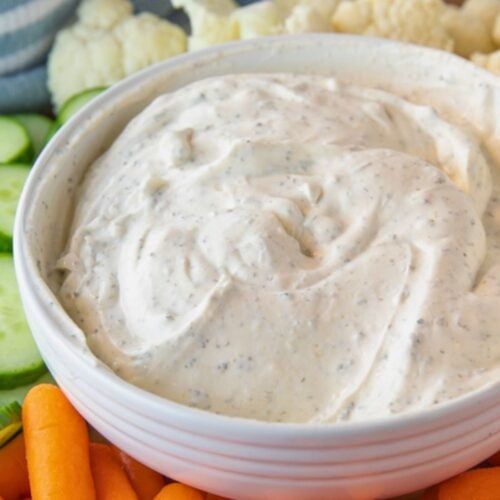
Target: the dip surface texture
pixel 289 248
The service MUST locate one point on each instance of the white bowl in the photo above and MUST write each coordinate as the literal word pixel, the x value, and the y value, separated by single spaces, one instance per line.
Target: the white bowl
pixel 234 457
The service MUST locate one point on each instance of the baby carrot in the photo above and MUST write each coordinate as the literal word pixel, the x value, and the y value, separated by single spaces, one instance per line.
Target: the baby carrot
pixel 431 494
pixel 14 481
pixel 477 484
pixel 178 491
pixel 495 460
pixel 57 446
pixel 145 481
pixel 111 481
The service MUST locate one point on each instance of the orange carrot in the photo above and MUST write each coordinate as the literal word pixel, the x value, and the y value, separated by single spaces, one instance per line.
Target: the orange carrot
pixel 145 481
pixel 57 446
pixel 14 482
pixel 111 481
pixel 431 493
pixel 495 460
pixel 477 484
pixel 178 491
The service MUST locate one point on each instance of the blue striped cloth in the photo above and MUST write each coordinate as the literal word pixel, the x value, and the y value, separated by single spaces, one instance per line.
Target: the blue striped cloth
pixel 27 29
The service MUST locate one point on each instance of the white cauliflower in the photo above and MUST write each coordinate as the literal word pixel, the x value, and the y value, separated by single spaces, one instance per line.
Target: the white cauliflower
pixel 353 17
pixel 490 62
pixel 324 7
pixel 415 21
pixel 103 47
pixel 211 21
pixel 146 39
pixel 304 19
pixel 485 10
pixel 311 16
pixel 258 19
pixel 82 58
pixel 469 32
pixel 286 6
pixel 272 17
pixel 496 31
pixel 103 13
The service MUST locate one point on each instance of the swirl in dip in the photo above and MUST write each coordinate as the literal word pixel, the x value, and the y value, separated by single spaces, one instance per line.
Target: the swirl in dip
pixel 289 248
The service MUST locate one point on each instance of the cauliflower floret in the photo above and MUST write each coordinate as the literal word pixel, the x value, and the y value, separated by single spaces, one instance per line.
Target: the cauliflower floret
pixel 87 55
pixel 311 16
pixel 211 21
pixel 496 31
pixel 270 17
pixel 258 19
pixel 104 13
pixel 490 62
pixel 158 41
pixel 469 32
pixel 305 19
pixel 353 17
pixel 83 57
pixel 324 7
pixel 286 6
pixel 415 21
pixel 485 10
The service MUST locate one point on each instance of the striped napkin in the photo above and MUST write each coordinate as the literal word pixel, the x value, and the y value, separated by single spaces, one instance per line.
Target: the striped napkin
pixel 27 29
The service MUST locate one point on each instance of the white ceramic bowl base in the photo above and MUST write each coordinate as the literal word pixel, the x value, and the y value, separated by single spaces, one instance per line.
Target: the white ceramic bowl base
pixel 234 457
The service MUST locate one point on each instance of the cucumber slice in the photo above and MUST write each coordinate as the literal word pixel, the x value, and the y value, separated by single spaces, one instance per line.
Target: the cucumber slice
pixel 12 179
pixel 52 131
pixel 70 107
pixel 18 394
pixel 75 103
pixel 15 144
pixel 20 362
pixel 38 127
pixel 10 422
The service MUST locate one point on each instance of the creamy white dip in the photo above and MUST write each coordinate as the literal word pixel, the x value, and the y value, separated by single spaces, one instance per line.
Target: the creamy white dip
pixel 287 248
